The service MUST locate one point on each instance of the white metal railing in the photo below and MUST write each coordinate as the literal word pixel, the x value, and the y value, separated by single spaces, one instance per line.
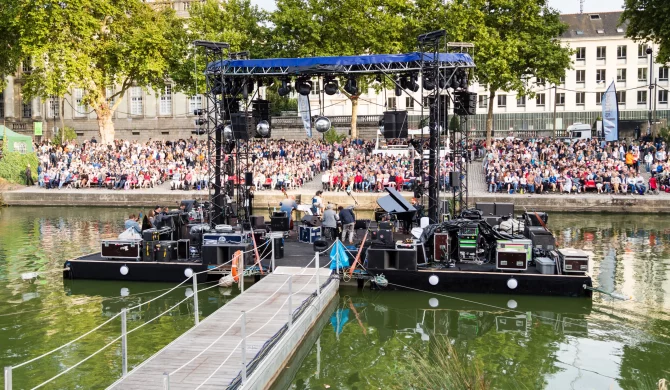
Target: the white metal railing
pixel 124 333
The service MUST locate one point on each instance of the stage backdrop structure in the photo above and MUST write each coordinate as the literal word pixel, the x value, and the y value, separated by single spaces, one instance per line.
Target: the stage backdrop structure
pixel 233 81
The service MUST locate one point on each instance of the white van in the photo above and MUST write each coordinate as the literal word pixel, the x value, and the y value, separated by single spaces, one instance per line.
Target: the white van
pixel 579 131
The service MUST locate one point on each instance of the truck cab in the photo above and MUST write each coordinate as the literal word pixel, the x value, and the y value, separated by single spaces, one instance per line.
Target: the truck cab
pixel 579 131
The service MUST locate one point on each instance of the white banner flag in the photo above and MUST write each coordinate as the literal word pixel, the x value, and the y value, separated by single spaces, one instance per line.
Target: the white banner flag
pixel 305 114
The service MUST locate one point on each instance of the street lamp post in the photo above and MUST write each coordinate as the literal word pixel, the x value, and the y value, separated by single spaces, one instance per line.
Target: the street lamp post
pixel 650 52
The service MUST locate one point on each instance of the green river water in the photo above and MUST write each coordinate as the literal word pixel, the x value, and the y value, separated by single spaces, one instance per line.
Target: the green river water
pixel 371 338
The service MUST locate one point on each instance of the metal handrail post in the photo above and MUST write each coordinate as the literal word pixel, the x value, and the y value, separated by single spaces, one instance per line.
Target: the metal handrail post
pixel 8 378
pixel 273 252
pixel 290 295
pixel 242 276
pixel 244 347
pixel 316 265
pixel 124 344
pixel 195 299
pixel 166 381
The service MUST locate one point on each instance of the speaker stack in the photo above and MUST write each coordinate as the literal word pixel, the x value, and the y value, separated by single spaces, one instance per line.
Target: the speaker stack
pixel 441 118
pixel 242 125
pixel 466 103
pixel 229 106
pixel 260 111
pixel 395 124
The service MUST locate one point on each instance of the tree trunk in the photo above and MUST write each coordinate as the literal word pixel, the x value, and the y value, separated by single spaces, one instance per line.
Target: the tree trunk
pixel 61 114
pixel 105 126
pixel 354 117
pixel 489 119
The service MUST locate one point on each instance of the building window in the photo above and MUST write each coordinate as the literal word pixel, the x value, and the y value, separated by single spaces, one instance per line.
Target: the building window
pixel 539 100
pixel 390 103
pixel 641 97
pixel 581 75
pixel 663 96
pixel 27 110
pixel 483 101
pixel 316 88
pixel 25 66
pixel 580 98
pixel 642 50
pixel 109 92
pixel 621 74
pixel 560 99
pixel 166 100
pixel 600 75
pixel 136 106
pixel 502 100
pixel 561 80
pixel 521 101
pixel 2 104
pixel 540 81
pixel 621 97
pixel 409 103
pixel 194 103
pixel 581 53
pixel 54 107
pixel 663 73
pixel 601 52
pixel 621 52
pixel 599 97
pixel 641 74
pixel 79 107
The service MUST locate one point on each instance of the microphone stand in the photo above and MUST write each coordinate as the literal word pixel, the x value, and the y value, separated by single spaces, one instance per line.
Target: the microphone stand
pixel 352 197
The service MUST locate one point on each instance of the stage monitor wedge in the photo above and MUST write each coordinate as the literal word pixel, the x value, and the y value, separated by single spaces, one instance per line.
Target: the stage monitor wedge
pixel 395 124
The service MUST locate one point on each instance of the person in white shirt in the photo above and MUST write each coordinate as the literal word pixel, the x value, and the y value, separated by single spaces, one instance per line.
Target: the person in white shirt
pixel 648 159
pixel 639 184
pixel 325 181
pixel 630 181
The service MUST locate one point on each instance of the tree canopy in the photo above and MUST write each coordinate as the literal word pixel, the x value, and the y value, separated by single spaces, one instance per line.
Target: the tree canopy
pixel 647 22
pixel 87 44
pixel 514 41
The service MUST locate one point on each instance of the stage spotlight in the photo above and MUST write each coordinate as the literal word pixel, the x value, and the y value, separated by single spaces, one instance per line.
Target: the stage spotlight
pixel 303 86
pixel 322 124
pixel 404 81
pixel 412 84
pixel 379 78
pixel 199 131
pixel 456 80
pixel 200 121
pixel 464 80
pixel 428 82
pixel 398 87
pixel 199 112
pixel 263 128
pixel 444 78
pixel 247 88
pixel 285 88
pixel 351 86
pixel 330 85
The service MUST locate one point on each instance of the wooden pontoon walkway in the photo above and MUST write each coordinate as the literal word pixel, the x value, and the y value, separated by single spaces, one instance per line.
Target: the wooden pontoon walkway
pixel 270 317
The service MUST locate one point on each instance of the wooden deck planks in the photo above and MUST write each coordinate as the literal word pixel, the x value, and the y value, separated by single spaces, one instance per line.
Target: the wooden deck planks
pixel 265 321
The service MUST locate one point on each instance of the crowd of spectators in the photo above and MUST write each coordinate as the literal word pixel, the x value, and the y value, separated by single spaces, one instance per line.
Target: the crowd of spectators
pixel 574 166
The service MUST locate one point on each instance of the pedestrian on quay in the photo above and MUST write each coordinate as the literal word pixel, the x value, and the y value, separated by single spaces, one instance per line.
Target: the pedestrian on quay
pixel 29 177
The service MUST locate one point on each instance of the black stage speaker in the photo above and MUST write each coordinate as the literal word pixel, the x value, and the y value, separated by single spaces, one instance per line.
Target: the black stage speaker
pixel 395 124
pixel 455 179
pixel 230 188
pixel 248 179
pixel 229 106
pixel 257 222
pixel 465 103
pixel 487 209
pixel 260 111
pixel 503 209
pixel 418 167
pixel 279 224
pixel 311 221
pixel 443 119
pixel 241 124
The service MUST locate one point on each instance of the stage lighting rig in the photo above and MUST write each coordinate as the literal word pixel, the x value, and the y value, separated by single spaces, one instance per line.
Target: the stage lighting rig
pixel 200 121
pixel 351 87
pixel 398 86
pixel 199 112
pixel 285 88
pixel 330 85
pixel 412 83
pixel 303 86
pixel 428 82
pixel 432 36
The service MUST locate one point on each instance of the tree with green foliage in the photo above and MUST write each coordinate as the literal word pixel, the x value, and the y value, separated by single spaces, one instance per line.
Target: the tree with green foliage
pixel 454 123
pixel 278 104
pixel 236 22
pixel 88 44
pixel 308 28
pixel 332 136
pixel 647 22
pixel 514 41
pixel 67 133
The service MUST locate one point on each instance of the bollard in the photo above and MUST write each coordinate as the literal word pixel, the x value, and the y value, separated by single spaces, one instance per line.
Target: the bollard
pixel 195 299
pixel 244 347
pixel 166 381
pixel 272 239
pixel 316 264
pixel 290 294
pixel 8 378
pixel 124 344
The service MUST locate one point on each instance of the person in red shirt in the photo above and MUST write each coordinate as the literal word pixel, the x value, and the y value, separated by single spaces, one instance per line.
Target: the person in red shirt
pixel 358 182
pixel 399 182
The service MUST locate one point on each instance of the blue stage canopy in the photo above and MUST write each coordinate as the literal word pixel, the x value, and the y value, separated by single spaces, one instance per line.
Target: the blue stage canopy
pixel 344 64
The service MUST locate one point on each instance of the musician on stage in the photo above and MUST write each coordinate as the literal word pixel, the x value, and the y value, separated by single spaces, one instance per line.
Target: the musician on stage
pixel 348 221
